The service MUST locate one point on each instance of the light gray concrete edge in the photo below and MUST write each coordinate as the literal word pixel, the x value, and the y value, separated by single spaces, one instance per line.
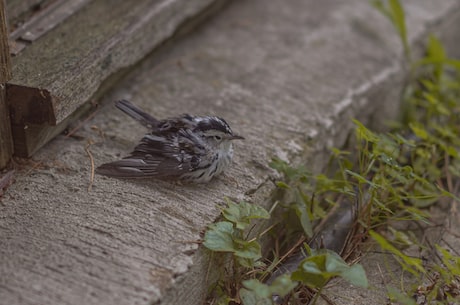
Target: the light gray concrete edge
pixel 288 75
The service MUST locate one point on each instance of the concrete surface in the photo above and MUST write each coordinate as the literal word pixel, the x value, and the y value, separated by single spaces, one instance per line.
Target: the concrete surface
pixel 287 75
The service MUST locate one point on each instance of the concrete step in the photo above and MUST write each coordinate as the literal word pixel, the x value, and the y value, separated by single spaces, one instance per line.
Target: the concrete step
pixel 287 75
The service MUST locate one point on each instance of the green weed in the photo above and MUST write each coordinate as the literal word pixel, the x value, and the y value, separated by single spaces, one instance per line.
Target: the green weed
pixel 392 177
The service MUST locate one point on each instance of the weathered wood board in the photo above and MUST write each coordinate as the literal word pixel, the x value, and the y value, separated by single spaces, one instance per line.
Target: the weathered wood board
pixel 6 142
pixel 56 74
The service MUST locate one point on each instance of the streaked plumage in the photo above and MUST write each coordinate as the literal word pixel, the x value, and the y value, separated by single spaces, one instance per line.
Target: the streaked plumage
pixel 187 148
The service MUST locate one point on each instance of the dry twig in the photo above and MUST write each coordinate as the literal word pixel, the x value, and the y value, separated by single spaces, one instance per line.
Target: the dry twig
pixel 90 155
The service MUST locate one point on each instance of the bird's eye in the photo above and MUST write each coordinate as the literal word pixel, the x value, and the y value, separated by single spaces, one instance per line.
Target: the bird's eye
pixel 218 138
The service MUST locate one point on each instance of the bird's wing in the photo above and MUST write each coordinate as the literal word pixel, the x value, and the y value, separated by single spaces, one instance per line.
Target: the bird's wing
pixel 157 156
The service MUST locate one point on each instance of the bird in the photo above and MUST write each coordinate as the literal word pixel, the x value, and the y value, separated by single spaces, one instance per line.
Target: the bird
pixel 185 148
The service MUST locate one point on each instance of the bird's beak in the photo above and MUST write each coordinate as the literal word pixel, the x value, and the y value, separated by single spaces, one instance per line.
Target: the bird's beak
pixel 236 137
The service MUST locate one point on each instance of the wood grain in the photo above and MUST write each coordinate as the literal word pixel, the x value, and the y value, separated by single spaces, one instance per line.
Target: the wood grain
pixel 57 73
pixel 6 141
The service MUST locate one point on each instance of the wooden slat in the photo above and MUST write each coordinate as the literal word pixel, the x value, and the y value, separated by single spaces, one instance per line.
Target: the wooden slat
pixel 18 10
pixel 6 142
pixel 44 21
pixel 5 60
pixel 57 73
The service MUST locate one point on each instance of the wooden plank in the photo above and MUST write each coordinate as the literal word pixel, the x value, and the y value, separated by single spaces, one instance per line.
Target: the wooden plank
pixel 56 74
pixel 6 142
pixel 29 138
pixel 44 21
pixel 5 60
pixel 19 10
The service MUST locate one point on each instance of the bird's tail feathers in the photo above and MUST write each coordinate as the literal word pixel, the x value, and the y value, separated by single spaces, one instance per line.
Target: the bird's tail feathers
pixel 136 113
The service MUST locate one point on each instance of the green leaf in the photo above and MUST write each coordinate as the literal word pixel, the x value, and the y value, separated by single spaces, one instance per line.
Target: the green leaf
pixel 435 49
pixel 219 237
pixel 283 285
pixel 255 292
pixel 398 18
pixel 292 173
pixel 242 213
pixel 282 185
pixel 364 133
pixel 378 4
pixel 395 13
pixel 316 270
pixel 262 290
pixel 411 264
pixel 304 218
pixel 249 297
pixel 419 130
pixel 247 249
pixel 356 275
pixel 399 297
pixel 361 179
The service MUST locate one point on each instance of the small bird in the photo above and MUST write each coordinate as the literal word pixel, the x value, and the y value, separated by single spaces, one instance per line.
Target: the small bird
pixel 185 148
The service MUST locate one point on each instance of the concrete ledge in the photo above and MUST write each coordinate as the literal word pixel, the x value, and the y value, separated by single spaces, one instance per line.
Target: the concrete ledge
pixel 288 75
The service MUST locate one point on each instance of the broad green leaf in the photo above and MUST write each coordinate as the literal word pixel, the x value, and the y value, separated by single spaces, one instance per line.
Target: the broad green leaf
pixel 313 280
pixel 261 289
pixel 255 292
pixel 242 213
pixel 312 270
pixel 247 249
pixel 249 297
pixel 283 285
pixel 292 173
pixel 317 269
pixel 219 237
pixel 356 275
pixel 334 263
